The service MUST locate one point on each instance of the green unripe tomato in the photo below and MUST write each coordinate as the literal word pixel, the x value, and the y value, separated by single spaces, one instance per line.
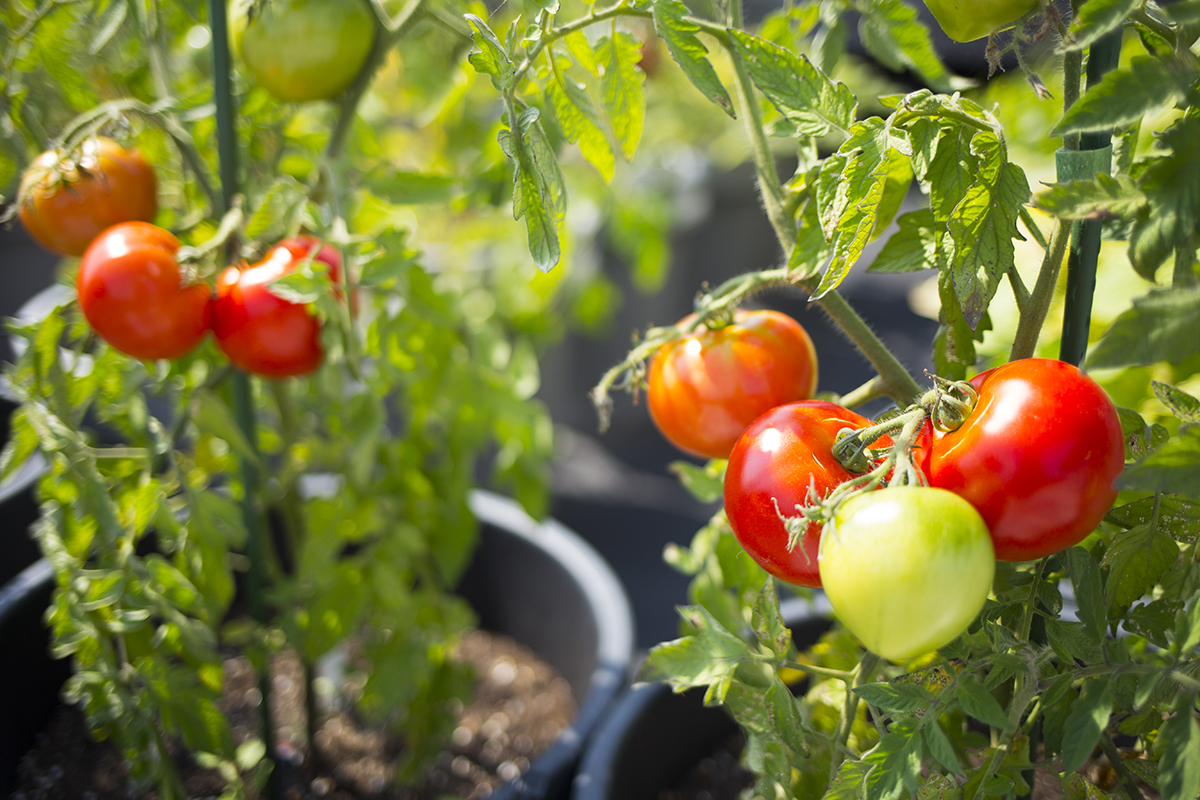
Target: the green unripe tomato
pixel 967 20
pixel 302 49
pixel 906 568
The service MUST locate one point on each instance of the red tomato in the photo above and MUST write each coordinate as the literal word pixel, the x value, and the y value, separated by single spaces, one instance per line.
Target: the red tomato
pixel 1037 457
pixel 706 388
pixel 776 460
pixel 260 332
pixel 65 204
pixel 131 292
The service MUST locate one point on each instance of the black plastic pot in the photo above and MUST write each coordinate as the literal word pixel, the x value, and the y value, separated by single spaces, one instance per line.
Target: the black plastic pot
pixel 537 582
pixel 653 737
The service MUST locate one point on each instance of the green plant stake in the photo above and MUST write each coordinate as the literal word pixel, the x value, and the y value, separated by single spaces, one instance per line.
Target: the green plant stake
pixel 1093 156
pixel 243 399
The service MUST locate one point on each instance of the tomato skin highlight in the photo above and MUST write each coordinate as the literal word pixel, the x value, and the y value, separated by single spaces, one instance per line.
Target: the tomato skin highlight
pixel 778 457
pixel 265 334
pixel 906 569
pixel 130 292
pixel 968 20
pixel 66 204
pixel 706 388
pixel 1037 458
pixel 301 50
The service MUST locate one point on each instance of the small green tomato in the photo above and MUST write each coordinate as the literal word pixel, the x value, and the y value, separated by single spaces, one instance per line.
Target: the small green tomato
pixel 906 569
pixel 302 50
pixel 967 20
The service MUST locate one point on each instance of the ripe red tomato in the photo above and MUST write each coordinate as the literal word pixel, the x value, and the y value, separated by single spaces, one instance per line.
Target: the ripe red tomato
pixel 706 388
pixel 66 203
pixel 260 332
pixel 776 460
pixel 1037 457
pixel 303 49
pixel 132 294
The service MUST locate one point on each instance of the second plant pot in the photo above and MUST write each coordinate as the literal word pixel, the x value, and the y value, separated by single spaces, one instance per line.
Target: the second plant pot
pixel 536 582
pixel 653 737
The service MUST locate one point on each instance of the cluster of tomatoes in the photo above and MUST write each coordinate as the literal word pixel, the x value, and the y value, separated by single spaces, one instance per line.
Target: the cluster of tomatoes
pixel 1029 472
pixel 131 289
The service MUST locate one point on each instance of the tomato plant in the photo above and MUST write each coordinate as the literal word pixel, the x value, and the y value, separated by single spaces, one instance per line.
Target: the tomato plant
pixel 262 332
pixel 303 49
pixel 906 568
pixel 131 293
pixel 1038 457
pixel 966 20
pixel 67 199
pixel 705 388
pixel 781 460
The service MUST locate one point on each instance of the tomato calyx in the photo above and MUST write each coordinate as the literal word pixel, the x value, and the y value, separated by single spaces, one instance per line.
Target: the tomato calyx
pixel 904 463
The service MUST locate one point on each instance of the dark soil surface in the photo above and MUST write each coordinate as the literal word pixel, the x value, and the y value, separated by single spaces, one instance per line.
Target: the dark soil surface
pixel 521 704
pixel 718 776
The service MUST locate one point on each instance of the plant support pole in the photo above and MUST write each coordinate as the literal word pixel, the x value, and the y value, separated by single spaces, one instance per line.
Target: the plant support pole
pixel 243 400
pixel 1094 155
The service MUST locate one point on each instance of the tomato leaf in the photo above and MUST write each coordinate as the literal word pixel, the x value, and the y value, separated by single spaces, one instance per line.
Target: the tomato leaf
pixel 538 192
pixel 770 713
pixel 670 20
pixel 892 32
pixel 1185 407
pixel 983 225
pixel 940 747
pixel 579 122
pixel 1179 744
pixel 1152 621
pixel 1085 578
pixel 951 171
pixel 108 25
pixel 937 786
pixel 1172 187
pixel 1090 198
pixel 621 85
pixel 913 247
pixel 767 623
pixel 895 696
pixel 1161 326
pixel 1096 18
pixel 491 60
pixel 1177 517
pixel 1087 720
pixel 1125 95
pixel 803 94
pixel 869 160
pixel 1071 641
pixel 1174 468
pixel 1136 560
pixel 407 187
pixel 214 417
pixel 979 703
pixel 706 483
pixel 708 658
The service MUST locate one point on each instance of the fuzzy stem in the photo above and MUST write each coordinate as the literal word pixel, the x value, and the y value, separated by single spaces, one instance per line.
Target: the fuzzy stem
pixel 862 674
pixel 1030 324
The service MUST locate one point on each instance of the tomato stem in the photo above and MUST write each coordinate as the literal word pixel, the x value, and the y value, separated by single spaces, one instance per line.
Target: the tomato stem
pixel 862 674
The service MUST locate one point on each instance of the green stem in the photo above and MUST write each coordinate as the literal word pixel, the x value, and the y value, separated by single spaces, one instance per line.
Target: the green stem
pixel 1072 76
pixel 1031 602
pixel 243 400
pixel 1020 292
pixel 1029 327
pixel 869 391
pixel 900 385
pixel 825 672
pixel 619 10
pixel 1128 781
pixel 862 674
